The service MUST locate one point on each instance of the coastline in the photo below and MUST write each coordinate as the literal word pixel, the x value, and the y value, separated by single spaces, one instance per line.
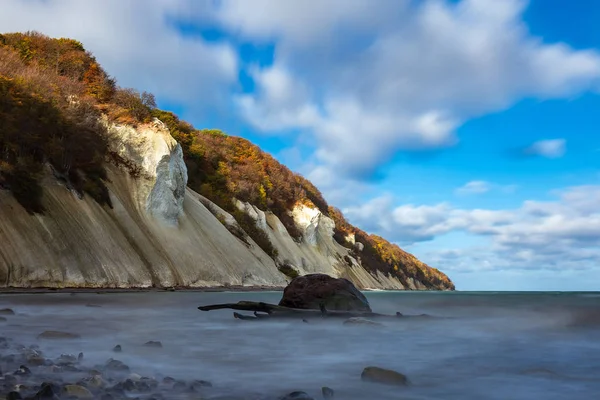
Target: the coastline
pixel 102 290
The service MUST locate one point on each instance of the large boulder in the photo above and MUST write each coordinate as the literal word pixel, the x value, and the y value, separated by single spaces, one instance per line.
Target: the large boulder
pixel 315 290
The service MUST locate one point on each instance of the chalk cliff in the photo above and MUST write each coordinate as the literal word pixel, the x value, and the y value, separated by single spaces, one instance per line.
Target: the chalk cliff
pixel 100 188
pixel 158 232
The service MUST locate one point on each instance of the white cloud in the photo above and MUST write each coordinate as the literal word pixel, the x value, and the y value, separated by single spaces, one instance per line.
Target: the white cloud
pixel 134 41
pixel 473 187
pixel 554 148
pixel 564 233
pixel 369 79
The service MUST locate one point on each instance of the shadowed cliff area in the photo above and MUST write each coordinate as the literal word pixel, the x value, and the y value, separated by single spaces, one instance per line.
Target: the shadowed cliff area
pixel 99 188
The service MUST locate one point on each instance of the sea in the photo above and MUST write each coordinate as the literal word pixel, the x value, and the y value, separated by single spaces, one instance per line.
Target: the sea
pixel 473 345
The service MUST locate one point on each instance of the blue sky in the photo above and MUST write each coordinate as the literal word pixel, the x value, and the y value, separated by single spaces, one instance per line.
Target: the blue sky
pixel 465 131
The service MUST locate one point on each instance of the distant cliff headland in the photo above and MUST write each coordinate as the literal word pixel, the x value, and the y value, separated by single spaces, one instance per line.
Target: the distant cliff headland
pixel 101 189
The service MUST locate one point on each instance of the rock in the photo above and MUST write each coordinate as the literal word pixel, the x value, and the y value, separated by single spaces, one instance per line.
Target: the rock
pixel 95 382
pixel 23 370
pixel 129 385
pixel 179 385
pixel 297 396
pixel 10 380
pixel 313 290
pixel 117 348
pixel 116 365
pixel 66 359
pixel 80 357
pixel 153 343
pixel 13 396
pixel 78 392
pixel 327 392
pixel 200 384
pixel 134 377
pixel 36 359
pixel 385 376
pixel 2 319
pixel 57 335
pixel 93 306
pixel 7 311
pixel 361 321
pixel 167 380
pixel 48 391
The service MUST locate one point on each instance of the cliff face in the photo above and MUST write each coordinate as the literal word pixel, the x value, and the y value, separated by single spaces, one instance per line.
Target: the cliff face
pixel 159 232
pixel 100 188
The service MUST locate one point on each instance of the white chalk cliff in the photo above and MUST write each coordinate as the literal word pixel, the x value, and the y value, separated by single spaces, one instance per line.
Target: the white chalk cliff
pixel 159 232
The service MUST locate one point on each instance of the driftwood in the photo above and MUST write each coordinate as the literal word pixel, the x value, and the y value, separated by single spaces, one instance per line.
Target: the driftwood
pixel 265 311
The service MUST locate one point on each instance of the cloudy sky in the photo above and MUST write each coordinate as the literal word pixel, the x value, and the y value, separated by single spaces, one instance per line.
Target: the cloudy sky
pixel 466 131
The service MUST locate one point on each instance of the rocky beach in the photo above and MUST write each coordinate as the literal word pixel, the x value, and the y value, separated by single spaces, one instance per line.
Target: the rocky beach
pixel 474 345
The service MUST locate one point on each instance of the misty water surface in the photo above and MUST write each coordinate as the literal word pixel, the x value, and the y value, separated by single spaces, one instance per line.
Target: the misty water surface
pixel 478 346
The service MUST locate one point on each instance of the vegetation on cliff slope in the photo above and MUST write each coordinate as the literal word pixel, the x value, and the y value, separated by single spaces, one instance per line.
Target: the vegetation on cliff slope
pixel 52 92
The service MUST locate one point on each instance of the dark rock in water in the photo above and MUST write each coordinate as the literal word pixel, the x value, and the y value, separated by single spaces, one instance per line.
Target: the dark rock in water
pixel 117 348
pixel 143 387
pixel 80 357
pixel 13 396
pixel 2 319
pixel 297 396
pixel 316 290
pixel 197 384
pixel 153 343
pixel 179 385
pixel 23 370
pixel 361 321
pixel 384 376
pixel 58 335
pixel 116 365
pixel 93 306
pixel 168 380
pixel 78 392
pixel 129 385
pixel 10 380
pixel 327 392
pixel 48 391
pixel 7 311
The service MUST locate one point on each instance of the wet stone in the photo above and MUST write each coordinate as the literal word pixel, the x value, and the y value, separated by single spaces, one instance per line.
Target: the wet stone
pixel 78 392
pixel 7 311
pixel 13 396
pixel 197 384
pixel 129 385
pixel 116 365
pixel 23 370
pixel 58 335
pixel 328 393
pixel 168 380
pixel 179 385
pixel 153 343
pixel 297 396
pixel 117 348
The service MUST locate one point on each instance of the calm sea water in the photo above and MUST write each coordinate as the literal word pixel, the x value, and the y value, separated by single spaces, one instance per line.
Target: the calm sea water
pixel 479 346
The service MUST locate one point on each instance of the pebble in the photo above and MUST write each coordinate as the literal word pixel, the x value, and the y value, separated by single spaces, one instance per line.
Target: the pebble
pixel 117 348
pixel 23 370
pixel 78 392
pixel 13 396
pixel 297 396
pixel 153 343
pixel 116 365
pixel 384 376
pixel 7 311
pixel 58 335
pixel 328 393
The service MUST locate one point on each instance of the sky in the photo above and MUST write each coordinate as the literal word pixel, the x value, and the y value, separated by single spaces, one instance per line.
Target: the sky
pixel 465 131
